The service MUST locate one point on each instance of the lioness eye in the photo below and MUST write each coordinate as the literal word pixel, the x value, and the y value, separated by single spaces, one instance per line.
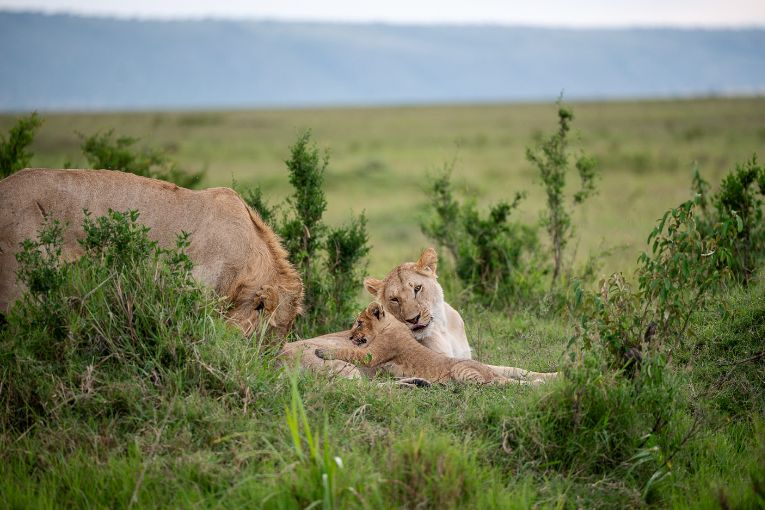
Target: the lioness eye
pixel 394 300
pixel 417 289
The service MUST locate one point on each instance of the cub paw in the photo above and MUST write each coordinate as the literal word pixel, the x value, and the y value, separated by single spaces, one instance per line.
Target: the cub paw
pixel 414 382
pixel 324 354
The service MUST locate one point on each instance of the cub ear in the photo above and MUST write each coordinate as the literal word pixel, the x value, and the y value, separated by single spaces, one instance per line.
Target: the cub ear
pixel 376 310
pixel 373 285
pixel 428 261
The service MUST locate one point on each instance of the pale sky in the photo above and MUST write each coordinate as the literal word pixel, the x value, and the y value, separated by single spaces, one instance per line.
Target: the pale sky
pixel 571 13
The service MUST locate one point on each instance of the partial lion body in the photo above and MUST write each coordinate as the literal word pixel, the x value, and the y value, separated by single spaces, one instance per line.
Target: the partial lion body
pixel 304 352
pixel 233 251
pixel 433 322
pixel 387 340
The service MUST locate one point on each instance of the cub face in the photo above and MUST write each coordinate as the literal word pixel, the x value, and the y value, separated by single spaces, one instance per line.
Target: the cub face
pixel 411 293
pixel 368 325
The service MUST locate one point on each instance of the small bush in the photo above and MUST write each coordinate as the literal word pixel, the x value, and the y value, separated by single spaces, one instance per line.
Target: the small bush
pixel 113 333
pixel 14 153
pixel 551 157
pixel 331 261
pixel 495 257
pixel 689 261
pixel 739 203
pixel 104 152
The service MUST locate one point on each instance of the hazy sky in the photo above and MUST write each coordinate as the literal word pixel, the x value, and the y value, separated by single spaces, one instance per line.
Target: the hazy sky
pixel 578 13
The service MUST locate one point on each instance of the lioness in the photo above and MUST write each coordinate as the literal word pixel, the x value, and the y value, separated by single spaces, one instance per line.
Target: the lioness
pixel 233 251
pixel 410 293
pixel 380 338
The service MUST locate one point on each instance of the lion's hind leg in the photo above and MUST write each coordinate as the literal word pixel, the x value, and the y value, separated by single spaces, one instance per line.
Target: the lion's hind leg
pixel 473 372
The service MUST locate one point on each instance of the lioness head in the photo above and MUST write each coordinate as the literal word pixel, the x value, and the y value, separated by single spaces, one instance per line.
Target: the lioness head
pixel 269 307
pixel 368 325
pixel 411 293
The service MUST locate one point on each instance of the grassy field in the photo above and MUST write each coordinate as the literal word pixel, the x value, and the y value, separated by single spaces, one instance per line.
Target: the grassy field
pixel 381 158
pixel 203 420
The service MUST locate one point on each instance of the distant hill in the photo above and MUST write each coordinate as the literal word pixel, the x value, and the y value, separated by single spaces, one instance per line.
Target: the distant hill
pixel 67 62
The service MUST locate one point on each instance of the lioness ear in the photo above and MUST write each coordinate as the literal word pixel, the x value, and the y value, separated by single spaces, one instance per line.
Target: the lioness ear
pixel 428 261
pixel 376 310
pixel 373 285
pixel 270 297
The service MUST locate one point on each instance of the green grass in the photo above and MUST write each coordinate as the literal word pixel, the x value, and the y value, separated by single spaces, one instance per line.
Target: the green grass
pixel 381 158
pixel 456 446
pixel 211 429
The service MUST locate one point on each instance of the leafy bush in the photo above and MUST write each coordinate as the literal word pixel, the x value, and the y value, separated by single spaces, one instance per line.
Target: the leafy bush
pixel 494 257
pixel 331 261
pixel 113 333
pixel 737 203
pixel 688 262
pixel 14 154
pixel 551 158
pixel 104 152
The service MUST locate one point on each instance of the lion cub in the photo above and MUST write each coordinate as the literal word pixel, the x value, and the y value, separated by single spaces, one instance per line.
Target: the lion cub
pixel 381 339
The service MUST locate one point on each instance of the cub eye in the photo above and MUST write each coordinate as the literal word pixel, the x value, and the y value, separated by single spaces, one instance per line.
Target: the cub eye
pixel 417 289
pixel 394 300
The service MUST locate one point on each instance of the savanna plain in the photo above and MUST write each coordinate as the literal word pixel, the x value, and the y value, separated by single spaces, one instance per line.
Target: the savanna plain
pixel 227 427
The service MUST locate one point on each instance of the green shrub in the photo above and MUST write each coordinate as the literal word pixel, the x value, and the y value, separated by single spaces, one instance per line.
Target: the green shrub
pixel 495 258
pixel 689 261
pixel 102 151
pixel 114 333
pixel 14 153
pixel 737 203
pixel 551 157
pixel 331 261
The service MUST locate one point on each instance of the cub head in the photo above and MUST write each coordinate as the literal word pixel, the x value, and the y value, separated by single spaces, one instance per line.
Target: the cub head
pixel 368 324
pixel 411 293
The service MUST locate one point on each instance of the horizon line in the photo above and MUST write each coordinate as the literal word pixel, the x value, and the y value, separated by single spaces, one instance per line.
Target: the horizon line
pixel 372 22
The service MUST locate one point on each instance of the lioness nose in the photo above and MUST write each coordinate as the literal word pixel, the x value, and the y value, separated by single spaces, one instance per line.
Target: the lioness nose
pixel 414 320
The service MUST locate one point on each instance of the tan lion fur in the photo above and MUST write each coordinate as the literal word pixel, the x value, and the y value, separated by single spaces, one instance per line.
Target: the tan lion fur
pixel 412 294
pixel 444 330
pixel 233 250
pixel 380 339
